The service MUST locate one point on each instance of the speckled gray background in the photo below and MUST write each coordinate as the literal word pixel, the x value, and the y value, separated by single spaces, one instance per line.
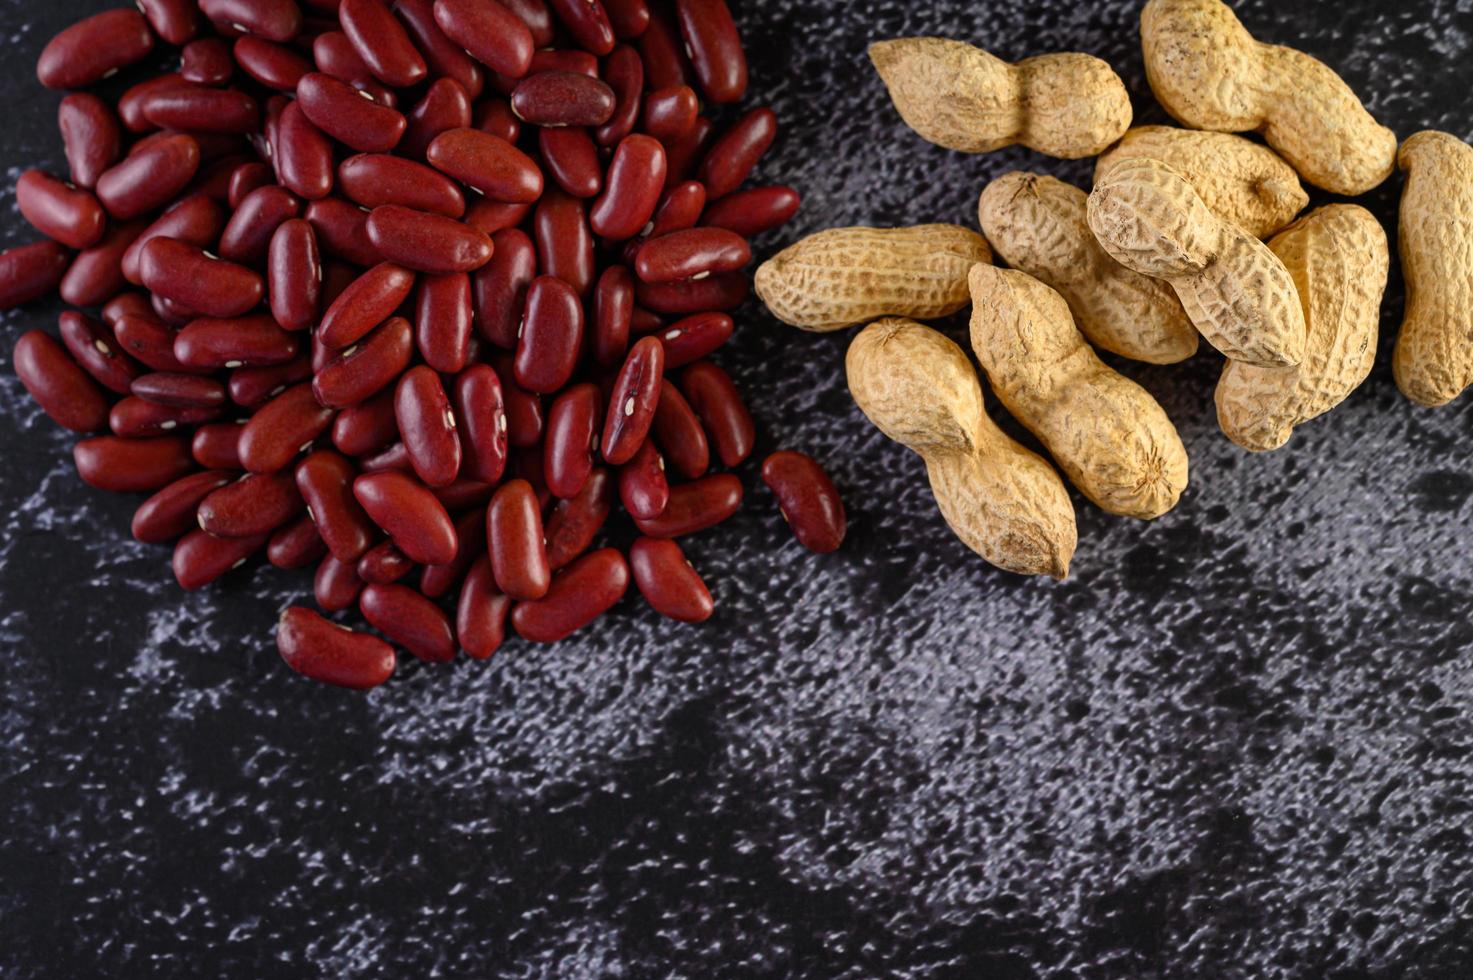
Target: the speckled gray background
pixel 1235 744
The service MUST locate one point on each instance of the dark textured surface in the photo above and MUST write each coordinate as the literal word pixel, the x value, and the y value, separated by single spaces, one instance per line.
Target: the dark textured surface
pixel 1234 744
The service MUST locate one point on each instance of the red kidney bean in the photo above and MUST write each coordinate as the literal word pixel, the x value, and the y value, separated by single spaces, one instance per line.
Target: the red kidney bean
pixel 134 417
pixel 669 113
pixel 721 291
pixel 464 494
pixel 587 22
pixel 174 314
pixel 481 412
pixel 427 242
pixel 572 433
pixel 499 288
pixel 668 582
pixel 470 528
pixel 613 307
pixel 576 521
pixel 303 155
pixel 488 32
pixel 196 220
pixel 581 593
pixel 552 335
pixel 564 241
pixel 683 152
pixel 336 584
pixel 295 545
pixel 273 65
pixel 383 564
pixel 206 61
pixel 536 16
pixel 371 299
pixel 185 274
pixel 526 464
pixel 629 18
pixel 480 619
pixel 732 157
pixel 131 465
pixel 176 21
pixel 179 390
pixel 90 132
pixel 636 179
pixel 366 427
pixel 715 48
pixel 443 318
pixel 375 179
pixel 692 338
pixel 624 73
pixel 94 348
pixel 281 429
pixel 719 405
pixel 255 504
pixel 342 230
pixel 254 386
pixel 807 498
pixel 247 341
pixel 125 304
pixel 679 209
pixel 294 275
pixel 691 254
pixel 247 237
pixel 661 50
pixel 643 489
pixel 515 541
pixel 342 112
pixel 194 109
pixel 334 54
pixel 751 212
pixel 149 176
pixel 410 620
pixel 678 432
pixel 96 274
pixel 363 369
pixel 409 514
pixel 427 426
pixel 495 118
pixel 130 103
pixel 444 107
pixel 200 558
pixel 695 506
pixel 325 481
pixel 572 159
pixel 322 650
pixel 275 20
pixel 523 408
pixel 632 404
pixel 381 42
pixel 92 49
pixel 562 98
pixel 490 217
pixel 445 58
pixel 216 446
pixel 486 163
pixel 170 512
pixel 62 389
pixel 29 272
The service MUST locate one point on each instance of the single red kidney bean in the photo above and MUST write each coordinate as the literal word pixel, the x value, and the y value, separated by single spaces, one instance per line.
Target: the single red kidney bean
pixel 499 288
pixel 133 417
pixel 692 338
pixel 275 66
pixel 751 212
pixel 196 220
pixel 131 465
pixel 303 155
pixel 427 426
pixel 130 103
pixel 464 494
pixel 691 254
pixel 94 348
pixel 371 299
pixel 443 321
pixel 643 488
pixel 29 272
pixel 444 57
pixel 635 182
pixel 695 506
pixel 629 18
pixel 186 274
pixel 562 98
pixel 176 21
pixel 342 112
pixel 470 528
pixel 336 584
pixel 715 48
pixel 536 16
pixel 427 242
pixel 515 541
pixel 572 159
pixel 444 107
pixel 244 178
pixel 170 512
pixel 334 54
pixel 678 432
pixel 367 426
pixel 481 412
pixel 363 369
pixel 581 593
pixel 668 582
pixel 587 22
pixel 524 419
pixel 179 390
pixel 552 335
pixel 733 156
pixel 294 274
pixel 624 73
pixel 719 405
pixel 486 163
pixel 194 109
pixel 682 153
pixel 200 558
pixel 90 132
pixel 381 42
pixel 96 274
pixel 526 464
pixel 62 389
pixel 409 514
pixel 125 304
pixel 322 650
pixel 206 61
pixel 662 51
pixel 94 48
pixel 149 176
pixel 721 291
pixel 564 241
pixel 632 404
pixel 410 620
pixel 342 230
pixel 480 617
pixel 613 308
pixel 489 33
pixel 295 545
pixel 576 521
pixel 383 564
pixel 807 498
pixel 375 179
pixel 255 504
pixel 494 118
pixel 247 237
pixel 489 217
pixel 325 481
pixel 216 446
pixel 275 20
pixel 572 433
pixel 669 113
pixel 247 341
pixel 254 386
pixel 281 429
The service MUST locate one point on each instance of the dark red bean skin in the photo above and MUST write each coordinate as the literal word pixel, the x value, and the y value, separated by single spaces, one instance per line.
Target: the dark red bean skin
pixel 374 179
pixel 256 504
pixel 342 231
pixel 294 275
pixel 715 48
pixel 337 108
pixel 678 432
pixel 273 65
pixel 216 446
pixel 552 336
pixel 480 618
pixel 93 346
pixel 695 506
pixel 564 241
pixel 131 465
pixel 179 390
pixel 732 157
pixel 383 564
pixel 536 16
pixel 195 109
pixel 295 545
pixel 464 494
pixel 632 403
pixel 572 431
pixel 493 216
pixel 362 370
pixel 751 212
pixel 247 237
pixel 692 338
pixel 371 299
pixel 669 113
pixel 425 242
pixel 723 414
pixel 130 103
pixel 170 512
pixel 303 155
pixel 684 152
pixel 176 21
pixel 94 48
pixel 587 22
pixel 247 341
pixel 427 426
pixel 691 254
pixel 281 429
pixel 807 498
pixel 629 18
pixel 443 321
pixel 526 464
pixel 721 291
pixel 571 159
pixel 366 427
pixel 410 620
pixel 125 304
pixel 200 558
pixel 495 118
pixel 325 480
pixel 28 272
pixel 524 418
pixel 660 48
pixel 499 288
pixel 196 220
pixel 149 176
pixel 562 98
pixel 381 42
pixel 481 413
pixel 409 514
pixel 643 488
pixel 254 386
pixel 445 58
pixel 668 582
pixel 515 541
pixel 581 593
pixel 90 132
pixel 334 54
pixel 488 32
pixel 470 529
pixel 275 20
pixel 635 182
pixel 336 584
pixel 613 307
pixel 444 107
pixel 624 73
pixel 134 417
pixel 576 521
pixel 488 164
pixel 62 389
pixel 96 274
pixel 322 650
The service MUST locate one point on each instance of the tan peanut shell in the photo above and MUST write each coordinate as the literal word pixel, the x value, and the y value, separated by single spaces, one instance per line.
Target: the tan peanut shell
pixel 1210 73
pixel 1004 502
pixel 1040 226
pixel 956 95
pixel 1434 351
pixel 846 276
pixel 1236 292
pixel 1241 181
pixel 1110 437
pixel 1338 257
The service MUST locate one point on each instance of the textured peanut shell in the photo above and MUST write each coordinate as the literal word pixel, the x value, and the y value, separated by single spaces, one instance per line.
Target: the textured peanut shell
pixel 1338 257
pixel 1210 73
pixel 1004 502
pixel 1434 351
pixel 845 276
pixel 1235 291
pixel 1239 180
pixel 1066 105
pixel 1110 437
pixel 1040 226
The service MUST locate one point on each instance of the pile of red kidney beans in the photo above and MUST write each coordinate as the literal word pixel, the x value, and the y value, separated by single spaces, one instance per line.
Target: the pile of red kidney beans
pixel 415 292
